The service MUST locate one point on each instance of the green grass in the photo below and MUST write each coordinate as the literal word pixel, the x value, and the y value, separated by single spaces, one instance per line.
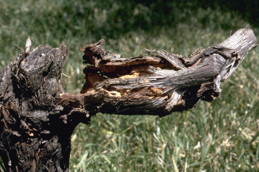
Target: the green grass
pixel 217 136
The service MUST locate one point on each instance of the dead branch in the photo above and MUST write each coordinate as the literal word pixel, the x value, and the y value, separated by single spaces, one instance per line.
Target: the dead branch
pixel 37 118
pixel 159 82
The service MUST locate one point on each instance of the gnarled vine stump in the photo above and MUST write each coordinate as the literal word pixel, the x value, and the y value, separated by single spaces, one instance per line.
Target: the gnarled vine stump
pixel 38 118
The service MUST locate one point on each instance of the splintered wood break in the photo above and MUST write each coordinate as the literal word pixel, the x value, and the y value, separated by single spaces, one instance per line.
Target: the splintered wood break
pixel 37 118
pixel 159 79
pixel 134 75
pixel 156 91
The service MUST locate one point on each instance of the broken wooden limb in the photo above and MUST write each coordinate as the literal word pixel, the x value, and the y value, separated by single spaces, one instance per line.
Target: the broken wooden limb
pixel 160 82
pixel 37 118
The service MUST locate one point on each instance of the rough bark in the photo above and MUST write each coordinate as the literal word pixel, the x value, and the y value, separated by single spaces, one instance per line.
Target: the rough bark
pixel 38 118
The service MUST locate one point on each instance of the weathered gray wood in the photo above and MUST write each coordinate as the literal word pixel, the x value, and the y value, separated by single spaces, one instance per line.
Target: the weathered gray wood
pixel 37 118
pixel 161 82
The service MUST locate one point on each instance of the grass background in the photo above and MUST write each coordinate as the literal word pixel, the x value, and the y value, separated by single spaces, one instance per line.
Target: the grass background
pixel 217 136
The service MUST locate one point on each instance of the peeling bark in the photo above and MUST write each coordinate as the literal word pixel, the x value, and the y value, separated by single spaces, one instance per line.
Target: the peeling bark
pixel 38 118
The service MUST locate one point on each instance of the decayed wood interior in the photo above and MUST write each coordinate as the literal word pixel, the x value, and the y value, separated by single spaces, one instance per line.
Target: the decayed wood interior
pixel 37 118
